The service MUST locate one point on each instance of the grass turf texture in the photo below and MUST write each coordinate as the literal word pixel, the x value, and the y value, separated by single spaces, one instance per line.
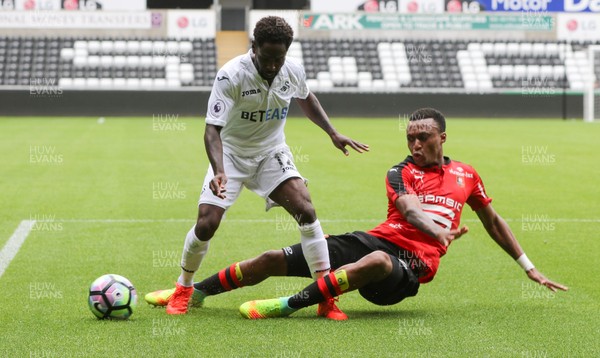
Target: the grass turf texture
pixel 480 303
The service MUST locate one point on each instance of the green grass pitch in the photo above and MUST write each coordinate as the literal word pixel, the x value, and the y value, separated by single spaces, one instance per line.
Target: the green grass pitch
pixel 119 196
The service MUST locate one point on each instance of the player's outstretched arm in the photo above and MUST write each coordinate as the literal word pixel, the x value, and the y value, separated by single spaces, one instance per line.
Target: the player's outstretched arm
pixel 214 150
pixel 499 230
pixel 315 112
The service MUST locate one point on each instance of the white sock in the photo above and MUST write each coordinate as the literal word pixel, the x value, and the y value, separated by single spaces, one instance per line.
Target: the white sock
pixel 314 247
pixel 193 253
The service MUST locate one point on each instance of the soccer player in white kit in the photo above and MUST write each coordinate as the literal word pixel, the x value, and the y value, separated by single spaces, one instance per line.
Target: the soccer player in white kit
pixel 245 144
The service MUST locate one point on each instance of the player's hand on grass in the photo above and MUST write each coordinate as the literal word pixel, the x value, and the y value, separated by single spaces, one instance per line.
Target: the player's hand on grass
pixel 446 237
pixel 537 276
pixel 217 185
pixel 341 141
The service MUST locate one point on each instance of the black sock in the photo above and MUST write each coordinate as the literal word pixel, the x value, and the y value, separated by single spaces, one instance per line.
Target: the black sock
pixel 227 279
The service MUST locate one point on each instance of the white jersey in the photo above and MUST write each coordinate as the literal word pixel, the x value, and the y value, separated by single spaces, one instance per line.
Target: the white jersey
pixel 251 112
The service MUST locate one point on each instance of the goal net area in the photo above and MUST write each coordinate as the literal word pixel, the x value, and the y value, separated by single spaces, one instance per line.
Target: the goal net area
pixel 591 94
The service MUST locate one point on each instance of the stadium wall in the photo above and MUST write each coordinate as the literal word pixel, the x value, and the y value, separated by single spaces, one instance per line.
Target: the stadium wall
pixel 363 105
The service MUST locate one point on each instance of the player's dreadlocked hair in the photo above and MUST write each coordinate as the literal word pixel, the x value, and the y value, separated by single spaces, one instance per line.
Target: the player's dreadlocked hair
pixel 273 29
pixel 424 113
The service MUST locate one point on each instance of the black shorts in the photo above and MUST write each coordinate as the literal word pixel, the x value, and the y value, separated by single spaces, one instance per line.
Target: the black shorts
pixel 351 247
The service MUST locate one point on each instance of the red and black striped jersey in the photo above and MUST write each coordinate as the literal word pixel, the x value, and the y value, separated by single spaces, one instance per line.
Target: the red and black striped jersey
pixel 442 191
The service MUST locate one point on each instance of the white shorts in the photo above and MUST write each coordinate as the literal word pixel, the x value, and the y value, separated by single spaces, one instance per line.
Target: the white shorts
pixel 262 174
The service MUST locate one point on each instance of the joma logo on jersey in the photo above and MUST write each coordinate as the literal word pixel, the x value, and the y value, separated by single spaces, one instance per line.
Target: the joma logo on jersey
pixel 263 116
pixel 250 92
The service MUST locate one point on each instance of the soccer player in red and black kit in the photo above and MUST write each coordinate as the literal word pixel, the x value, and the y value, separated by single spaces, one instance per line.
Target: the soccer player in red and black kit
pixel 427 192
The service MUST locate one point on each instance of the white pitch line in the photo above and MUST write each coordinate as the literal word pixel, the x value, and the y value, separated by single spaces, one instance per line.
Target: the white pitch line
pixel 133 221
pixel 12 246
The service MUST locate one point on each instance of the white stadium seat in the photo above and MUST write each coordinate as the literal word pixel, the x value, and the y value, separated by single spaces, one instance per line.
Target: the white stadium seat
pixel 145 61
pixel 499 48
pixel 525 48
pixel 106 83
pixel 133 47
pixel 186 67
pixel 173 67
pixel 337 78
pixel 80 61
pixel 120 47
pixel 67 53
pixel 351 78
pixel 159 83
pixel 133 61
pixel 159 48
pixel 187 77
pixel 546 71
pixel 474 46
pixel 512 49
pixel 323 76
pixel 392 84
pixel 494 70
pixel 506 71
pixel 378 85
pixel 106 47
pixel 312 83
pixel 385 46
pixel 92 83
pixel 93 61
pixel 146 47
pixel 173 83
pixel 520 71
pixel 65 83
pixel 365 84
pixel 471 85
pixel 533 71
pixel 487 48
pixel 558 71
pixel 390 75
pixel 538 49
pixel 94 47
pixel 79 82
pixel 81 52
pixel 365 76
pixel 80 45
pixel 404 78
pixel 146 83
pixel 106 61
pixel 325 84
pixel 133 83
pixel 172 47
pixel 120 61
pixel 187 47
pixel 120 83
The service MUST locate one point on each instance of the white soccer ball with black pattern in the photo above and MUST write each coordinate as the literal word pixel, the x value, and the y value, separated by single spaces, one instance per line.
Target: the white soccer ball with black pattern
pixel 112 296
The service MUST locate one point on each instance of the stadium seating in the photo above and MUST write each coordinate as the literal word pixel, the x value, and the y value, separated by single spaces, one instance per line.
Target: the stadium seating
pixel 331 64
pixel 380 65
pixel 95 63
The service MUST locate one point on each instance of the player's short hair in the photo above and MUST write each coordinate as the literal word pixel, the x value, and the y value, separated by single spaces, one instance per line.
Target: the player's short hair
pixel 273 29
pixel 424 113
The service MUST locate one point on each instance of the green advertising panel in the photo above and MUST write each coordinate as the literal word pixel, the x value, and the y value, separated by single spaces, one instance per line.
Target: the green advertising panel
pixel 531 21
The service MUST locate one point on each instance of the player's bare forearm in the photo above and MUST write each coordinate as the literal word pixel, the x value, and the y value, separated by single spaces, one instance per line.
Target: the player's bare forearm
pixel 214 147
pixel 499 231
pixel 410 207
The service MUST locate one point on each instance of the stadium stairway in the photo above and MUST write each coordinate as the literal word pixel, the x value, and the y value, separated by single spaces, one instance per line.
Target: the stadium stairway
pixel 230 44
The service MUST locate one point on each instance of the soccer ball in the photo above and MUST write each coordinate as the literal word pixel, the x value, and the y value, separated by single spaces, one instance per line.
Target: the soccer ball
pixel 112 296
